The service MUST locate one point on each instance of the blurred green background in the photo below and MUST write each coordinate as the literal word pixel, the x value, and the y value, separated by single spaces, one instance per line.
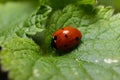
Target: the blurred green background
pixel 114 3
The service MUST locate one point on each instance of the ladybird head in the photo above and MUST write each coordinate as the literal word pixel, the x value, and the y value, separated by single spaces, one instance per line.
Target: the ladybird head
pixel 53 44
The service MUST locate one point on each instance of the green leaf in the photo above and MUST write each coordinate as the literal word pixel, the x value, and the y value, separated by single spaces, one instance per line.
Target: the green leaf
pixel 11 15
pixel 4 1
pixel 113 3
pixel 58 4
pixel 36 22
pixel 21 55
pixel 96 58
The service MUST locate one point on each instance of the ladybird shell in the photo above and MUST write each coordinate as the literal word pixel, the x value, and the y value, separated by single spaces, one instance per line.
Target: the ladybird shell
pixel 66 38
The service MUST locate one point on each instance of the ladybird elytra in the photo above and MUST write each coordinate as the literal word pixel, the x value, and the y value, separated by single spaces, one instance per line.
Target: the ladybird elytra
pixel 66 38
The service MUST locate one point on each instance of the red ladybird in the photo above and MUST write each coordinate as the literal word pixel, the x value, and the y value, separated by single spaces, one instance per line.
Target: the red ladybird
pixel 66 38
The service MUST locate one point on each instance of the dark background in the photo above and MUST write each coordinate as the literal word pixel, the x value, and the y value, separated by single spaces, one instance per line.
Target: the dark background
pixel 3 75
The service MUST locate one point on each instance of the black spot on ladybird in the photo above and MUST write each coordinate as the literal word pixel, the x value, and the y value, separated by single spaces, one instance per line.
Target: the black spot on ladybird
pixel 66 36
pixel 77 38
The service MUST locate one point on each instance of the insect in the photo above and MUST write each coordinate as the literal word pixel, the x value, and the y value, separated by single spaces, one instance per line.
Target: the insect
pixel 66 38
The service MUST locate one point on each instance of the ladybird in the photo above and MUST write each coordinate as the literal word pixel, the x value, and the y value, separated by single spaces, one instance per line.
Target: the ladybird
pixel 66 38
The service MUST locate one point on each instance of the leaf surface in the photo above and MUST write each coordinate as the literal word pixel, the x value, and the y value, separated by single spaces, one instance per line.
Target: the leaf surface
pixel 96 58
